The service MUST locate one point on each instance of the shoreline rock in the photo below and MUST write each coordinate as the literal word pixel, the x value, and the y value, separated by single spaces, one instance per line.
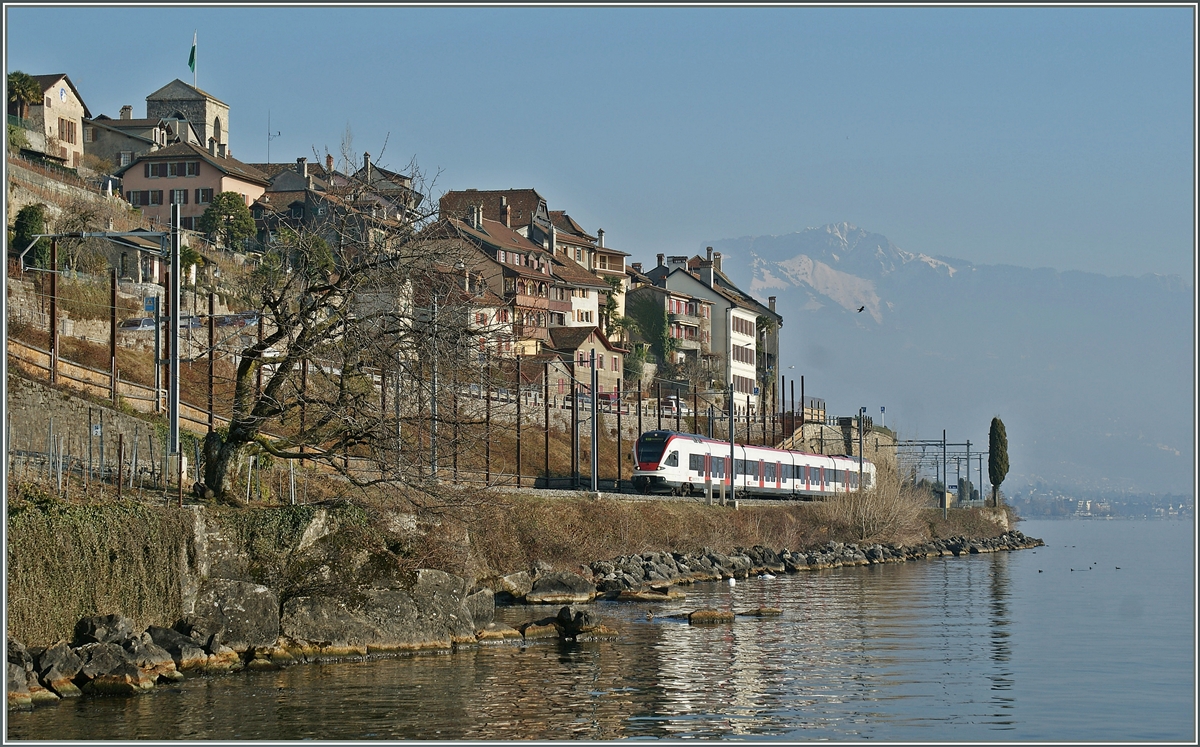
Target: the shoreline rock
pixel 239 625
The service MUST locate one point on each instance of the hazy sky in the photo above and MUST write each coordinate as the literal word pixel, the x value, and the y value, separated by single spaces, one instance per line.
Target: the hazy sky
pixel 1059 137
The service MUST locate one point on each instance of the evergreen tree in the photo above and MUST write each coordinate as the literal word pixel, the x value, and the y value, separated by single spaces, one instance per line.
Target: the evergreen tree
pixel 228 218
pixel 31 220
pixel 997 457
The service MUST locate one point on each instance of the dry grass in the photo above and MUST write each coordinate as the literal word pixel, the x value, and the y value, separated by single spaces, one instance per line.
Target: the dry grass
pixel 891 511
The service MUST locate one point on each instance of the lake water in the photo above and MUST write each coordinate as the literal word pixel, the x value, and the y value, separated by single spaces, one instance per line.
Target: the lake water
pixel 1090 638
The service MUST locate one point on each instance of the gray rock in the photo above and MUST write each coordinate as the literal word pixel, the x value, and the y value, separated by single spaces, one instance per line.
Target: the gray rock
pixel 482 607
pixel 185 651
pixel 103 629
pixel 17 685
pixel 561 587
pixel 241 615
pixel 57 667
pixel 426 613
pixel 151 658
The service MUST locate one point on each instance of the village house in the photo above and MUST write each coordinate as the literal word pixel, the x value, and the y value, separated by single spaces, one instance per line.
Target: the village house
pixel 189 176
pixel 54 124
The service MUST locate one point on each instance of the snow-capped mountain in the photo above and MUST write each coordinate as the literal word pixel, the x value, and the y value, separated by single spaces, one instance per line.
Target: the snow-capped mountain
pixel 1091 374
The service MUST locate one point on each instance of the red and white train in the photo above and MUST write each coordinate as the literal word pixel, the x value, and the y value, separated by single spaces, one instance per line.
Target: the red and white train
pixel 685 464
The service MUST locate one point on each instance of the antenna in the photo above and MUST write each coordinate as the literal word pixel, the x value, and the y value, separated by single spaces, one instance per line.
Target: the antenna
pixel 270 135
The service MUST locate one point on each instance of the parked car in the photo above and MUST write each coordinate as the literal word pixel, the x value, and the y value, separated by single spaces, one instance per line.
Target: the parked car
pixel 137 324
pixel 230 320
pixel 190 322
pixel 672 404
pixel 249 318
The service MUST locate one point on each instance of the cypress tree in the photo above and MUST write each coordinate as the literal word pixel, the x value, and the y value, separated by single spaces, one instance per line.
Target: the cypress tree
pixel 997 457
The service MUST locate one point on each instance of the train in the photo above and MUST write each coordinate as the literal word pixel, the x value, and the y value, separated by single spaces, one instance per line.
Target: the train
pixel 686 464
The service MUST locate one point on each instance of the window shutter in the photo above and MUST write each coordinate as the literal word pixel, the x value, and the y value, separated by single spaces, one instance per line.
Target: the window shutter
pixel 147 165
pixel 184 192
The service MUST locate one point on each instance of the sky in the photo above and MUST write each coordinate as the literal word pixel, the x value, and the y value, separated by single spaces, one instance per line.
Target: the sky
pixel 1031 136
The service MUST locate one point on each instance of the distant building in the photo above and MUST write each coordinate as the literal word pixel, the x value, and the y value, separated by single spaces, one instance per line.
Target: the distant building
pixel 56 122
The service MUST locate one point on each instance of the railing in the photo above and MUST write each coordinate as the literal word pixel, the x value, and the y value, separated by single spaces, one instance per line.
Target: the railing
pixel 19 122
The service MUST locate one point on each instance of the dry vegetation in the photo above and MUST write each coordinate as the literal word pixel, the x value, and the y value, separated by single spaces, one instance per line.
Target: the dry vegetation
pixel 892 511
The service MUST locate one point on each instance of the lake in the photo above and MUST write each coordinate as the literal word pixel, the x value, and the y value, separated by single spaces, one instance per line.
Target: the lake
pixel 1090 638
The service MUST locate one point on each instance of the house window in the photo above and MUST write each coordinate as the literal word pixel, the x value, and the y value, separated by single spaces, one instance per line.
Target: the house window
pixel 481 318
pixel 87 135
pixel 501 256
pixel 126 157
pixel 600 359
pixel 193 168
pixel 203 196
pixel 179 196
pixel 188 223
pixel 156 197
pixel 616 364
pixel 582 358
pixel 66 130
pixel 47 102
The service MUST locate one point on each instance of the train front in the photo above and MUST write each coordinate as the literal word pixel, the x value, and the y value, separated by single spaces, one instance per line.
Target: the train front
pixel 651 474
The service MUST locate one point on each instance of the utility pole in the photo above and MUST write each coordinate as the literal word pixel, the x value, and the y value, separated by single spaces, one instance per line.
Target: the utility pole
pixel 518 390
pixel 53 311
pixel 595 424
pixel 173 324
pixel 945 478
pixel 112 335
pixel 732 471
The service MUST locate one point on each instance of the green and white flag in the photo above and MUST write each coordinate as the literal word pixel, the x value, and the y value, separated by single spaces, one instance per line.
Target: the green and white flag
pixel 192 56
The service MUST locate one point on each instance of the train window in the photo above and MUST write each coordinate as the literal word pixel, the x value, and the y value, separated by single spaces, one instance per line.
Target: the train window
pixel 650 448
pixel 718 466
pixel 696 463
pixel 770 469
pixel 672 459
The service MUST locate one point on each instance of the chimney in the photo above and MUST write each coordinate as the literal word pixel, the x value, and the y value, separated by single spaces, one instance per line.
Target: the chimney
pixel 127 112
pixel 212 146
pixel 717 261
pixel 706 270
pixel 367 166
pixel 302 167
pixel 553 240
pixel 708 250
pixel 308 182
pixel 505 212
pixel 600 237
pixel 222 150
pixel 771 303
pixel 328 164
pixel 661 257
pixel 637 266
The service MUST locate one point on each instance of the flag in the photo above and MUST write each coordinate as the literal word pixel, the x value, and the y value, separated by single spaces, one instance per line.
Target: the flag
pixel 192 56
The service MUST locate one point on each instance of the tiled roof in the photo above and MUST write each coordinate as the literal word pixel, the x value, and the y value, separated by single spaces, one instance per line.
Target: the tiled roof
pixel 564 222
pixel 498 236
pixel 185 85
pixel 230 166
pixel 522 204
pixel 45 81
pixel 568 339
pixel 570 271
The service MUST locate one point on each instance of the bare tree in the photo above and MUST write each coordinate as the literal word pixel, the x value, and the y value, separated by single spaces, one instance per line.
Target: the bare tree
pixel 365 304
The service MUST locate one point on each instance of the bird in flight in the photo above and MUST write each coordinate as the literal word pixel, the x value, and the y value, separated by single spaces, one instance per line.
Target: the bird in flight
pixel 860 308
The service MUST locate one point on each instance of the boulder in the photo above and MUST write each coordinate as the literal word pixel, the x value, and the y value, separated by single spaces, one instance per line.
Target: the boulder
pixel 17 686
pixel 481 606
pixel 38 694
pixel 710 617
pixel 241 615
pixel 561 587
pixel 103 629
pixel 17 654
pixel 185 651
pixel 425 612
pixel 57 667
pixel 108 670
pixel 151 658
pixel 510 588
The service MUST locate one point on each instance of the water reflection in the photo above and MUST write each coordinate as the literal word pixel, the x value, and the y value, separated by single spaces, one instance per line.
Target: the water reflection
pixel 894 651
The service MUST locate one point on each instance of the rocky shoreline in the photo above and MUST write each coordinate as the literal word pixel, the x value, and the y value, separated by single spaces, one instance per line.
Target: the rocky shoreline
pixel 240 625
